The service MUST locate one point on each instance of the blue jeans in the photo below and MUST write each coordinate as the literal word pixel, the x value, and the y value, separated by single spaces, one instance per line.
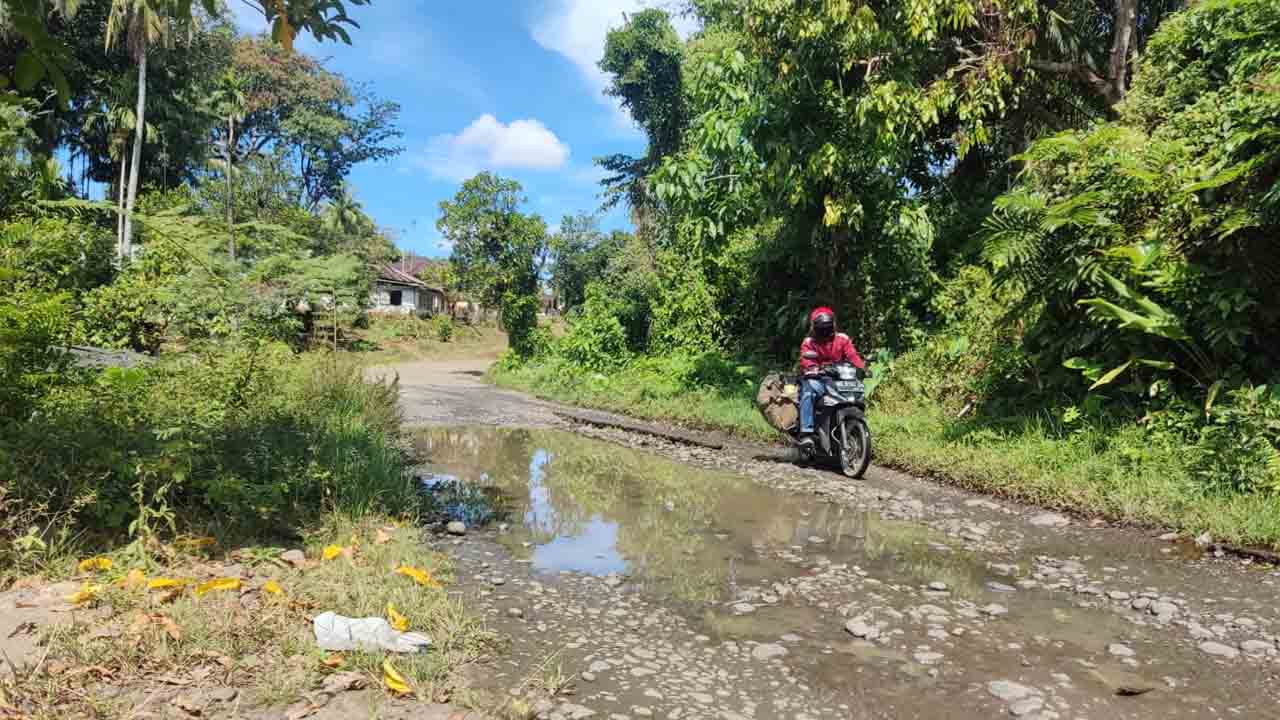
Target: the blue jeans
pixel 810 390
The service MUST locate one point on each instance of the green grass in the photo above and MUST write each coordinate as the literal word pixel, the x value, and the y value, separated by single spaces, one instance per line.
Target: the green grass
pixel 1114 471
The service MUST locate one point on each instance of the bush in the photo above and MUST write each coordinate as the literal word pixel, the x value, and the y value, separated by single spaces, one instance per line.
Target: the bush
pixel 595 339
pixel 442 327
pixel 1231 448
pixel 973 355
pixel 234 441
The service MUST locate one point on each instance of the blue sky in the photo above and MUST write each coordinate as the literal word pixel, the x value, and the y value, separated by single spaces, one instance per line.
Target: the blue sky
pixel 503 85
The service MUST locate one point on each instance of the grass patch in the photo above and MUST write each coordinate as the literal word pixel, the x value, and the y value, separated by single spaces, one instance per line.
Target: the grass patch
pixel 248 638
pixel 1117 471
pixel 391 339
pixel 719 398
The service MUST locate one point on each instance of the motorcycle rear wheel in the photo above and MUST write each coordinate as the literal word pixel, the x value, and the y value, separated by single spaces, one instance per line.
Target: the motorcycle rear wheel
pixel 855 444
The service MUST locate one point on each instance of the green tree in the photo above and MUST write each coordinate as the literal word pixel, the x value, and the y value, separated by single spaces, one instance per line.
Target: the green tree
pixel 643 59
pixel 229 102
pixel 324 123
pixel 498 252
pixel 345 214
pixel 579 255
pixel 323 19
pixel 139 24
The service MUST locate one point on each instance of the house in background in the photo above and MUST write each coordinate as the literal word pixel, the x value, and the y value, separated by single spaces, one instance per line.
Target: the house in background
pixel 398 292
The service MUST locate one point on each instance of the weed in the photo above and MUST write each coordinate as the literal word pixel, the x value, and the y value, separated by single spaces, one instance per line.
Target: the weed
pixel 253 639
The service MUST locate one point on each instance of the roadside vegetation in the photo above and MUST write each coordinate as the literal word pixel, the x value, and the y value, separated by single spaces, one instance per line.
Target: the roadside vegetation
pixel 200 219
pixel 1053 239
pixel 391 339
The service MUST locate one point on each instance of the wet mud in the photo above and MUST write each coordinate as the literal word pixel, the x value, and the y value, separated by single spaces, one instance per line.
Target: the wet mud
pixel 637 577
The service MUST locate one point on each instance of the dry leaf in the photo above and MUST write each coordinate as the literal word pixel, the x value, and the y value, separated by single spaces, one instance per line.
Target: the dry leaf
pixel 140 622
pixel 343 682
pixel 226 662
pixel 95 563
pixel 331 552
pixel 218 585
pixel 383 537
pixel 355 541
pixel 189 705
pixel 334 660
pixel 171 679
pixel 272 587
pixel 169 596
pixel 134 579
pixel 398 621
pixel 420 576
pixel 169 626
pixel 86 594
pixel 300 710
pixel 393 680
pixel 294 557
pixel 98 670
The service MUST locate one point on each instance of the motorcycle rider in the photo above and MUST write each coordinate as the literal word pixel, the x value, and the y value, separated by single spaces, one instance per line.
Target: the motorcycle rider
pixel 823 346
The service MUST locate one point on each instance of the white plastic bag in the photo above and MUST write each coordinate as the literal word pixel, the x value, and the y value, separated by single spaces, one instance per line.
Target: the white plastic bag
pixel 336 632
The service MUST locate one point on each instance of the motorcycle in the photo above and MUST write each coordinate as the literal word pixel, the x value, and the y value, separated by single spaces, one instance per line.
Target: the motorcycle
pixel 842 437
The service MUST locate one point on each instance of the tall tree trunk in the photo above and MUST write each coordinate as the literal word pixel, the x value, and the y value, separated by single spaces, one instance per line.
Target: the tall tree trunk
pixel 120 209
pixel 139 136
pixel 1121 44
pixel 231 233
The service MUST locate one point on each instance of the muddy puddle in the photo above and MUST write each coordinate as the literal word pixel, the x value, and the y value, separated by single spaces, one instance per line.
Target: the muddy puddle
pixel 861 604
pixel 674 532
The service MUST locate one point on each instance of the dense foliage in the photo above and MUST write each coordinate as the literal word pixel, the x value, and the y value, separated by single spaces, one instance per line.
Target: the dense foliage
pixel 244 248
pixel 1021 210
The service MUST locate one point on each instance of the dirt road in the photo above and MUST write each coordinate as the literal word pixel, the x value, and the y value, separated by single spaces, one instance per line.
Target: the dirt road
pixel 637 577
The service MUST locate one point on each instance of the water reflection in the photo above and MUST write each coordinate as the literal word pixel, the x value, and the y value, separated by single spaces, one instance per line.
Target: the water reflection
pixel 582 505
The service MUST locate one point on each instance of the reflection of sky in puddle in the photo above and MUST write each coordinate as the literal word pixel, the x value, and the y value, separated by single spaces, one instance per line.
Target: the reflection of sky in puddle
pixel 592 550
pixel 591 508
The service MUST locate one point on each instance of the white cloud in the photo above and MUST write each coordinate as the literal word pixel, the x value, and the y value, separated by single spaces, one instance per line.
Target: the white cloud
pixel 577 29
pixel 489 144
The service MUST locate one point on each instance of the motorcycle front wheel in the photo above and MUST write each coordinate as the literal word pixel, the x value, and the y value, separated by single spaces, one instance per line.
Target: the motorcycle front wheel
pixel 855 444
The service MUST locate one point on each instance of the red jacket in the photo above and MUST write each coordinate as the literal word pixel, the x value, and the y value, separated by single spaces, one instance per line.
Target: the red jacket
pixel 837 349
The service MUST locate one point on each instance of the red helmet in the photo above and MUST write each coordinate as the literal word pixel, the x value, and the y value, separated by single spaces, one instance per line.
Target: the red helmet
pixel 813 316
pixel 823 320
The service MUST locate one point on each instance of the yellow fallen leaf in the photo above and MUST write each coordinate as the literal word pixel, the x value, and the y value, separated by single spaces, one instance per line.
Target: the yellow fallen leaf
pixel 334 660
pixel 218 585
pixel 86 593
pixel 192 543
pixel 273 587
pixel 382 538
pixel 134 579
pixel 331 552
pixel 398 621
pixel 420 576
pixel 393 680
pixel 162 583
pixel 95 563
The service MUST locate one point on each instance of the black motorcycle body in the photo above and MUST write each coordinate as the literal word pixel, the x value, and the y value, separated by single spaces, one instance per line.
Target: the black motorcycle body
pixel 841 434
